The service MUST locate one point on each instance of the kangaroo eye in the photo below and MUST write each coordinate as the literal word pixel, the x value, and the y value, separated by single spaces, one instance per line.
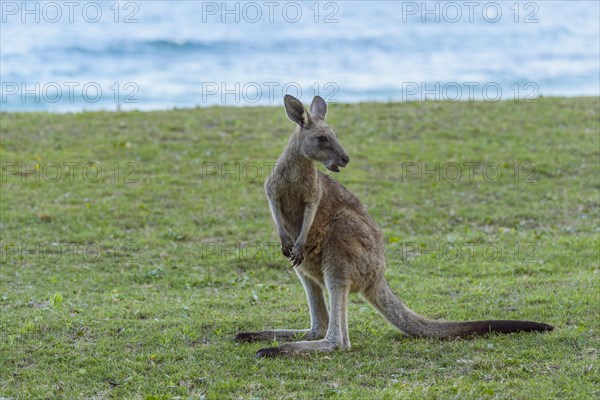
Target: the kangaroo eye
pixel 322 139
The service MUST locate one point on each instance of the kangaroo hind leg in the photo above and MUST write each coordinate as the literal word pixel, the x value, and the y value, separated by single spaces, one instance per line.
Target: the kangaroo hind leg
pixel 318 318
pixel 336 336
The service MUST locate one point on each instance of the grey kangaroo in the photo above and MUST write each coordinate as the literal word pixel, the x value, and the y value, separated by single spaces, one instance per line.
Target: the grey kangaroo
pixel 333 244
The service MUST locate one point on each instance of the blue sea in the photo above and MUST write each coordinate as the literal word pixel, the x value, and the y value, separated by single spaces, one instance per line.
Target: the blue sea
pixel 91 55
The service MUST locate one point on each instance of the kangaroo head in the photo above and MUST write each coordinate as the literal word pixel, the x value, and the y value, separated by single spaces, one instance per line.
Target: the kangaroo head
pixel 317 141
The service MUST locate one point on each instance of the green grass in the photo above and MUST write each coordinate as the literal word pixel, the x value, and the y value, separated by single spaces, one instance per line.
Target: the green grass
pixel 133 285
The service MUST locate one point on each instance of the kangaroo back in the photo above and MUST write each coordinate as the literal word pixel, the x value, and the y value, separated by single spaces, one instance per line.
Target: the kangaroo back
pixel 398 314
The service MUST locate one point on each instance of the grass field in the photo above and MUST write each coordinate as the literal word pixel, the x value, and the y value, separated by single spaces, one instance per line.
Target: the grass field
pixel 135 245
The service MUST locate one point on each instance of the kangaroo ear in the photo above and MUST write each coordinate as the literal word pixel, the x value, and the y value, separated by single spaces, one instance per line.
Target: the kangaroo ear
pixel 295 110
pixel 318 108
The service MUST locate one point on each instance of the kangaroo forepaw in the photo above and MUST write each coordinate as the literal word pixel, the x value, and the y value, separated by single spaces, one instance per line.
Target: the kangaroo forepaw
pixel 286 251
pixel 297 255
pixel 286 246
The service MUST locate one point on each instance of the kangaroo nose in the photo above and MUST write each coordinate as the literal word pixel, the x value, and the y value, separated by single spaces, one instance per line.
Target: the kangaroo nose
pixel 345 159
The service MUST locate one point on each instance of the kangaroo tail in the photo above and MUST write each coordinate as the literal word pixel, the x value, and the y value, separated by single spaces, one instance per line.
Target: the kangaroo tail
pixel 398 314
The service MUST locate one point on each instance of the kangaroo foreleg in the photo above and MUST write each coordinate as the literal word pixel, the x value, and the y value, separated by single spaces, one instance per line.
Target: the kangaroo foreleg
pixel 284 237
pixel 310 210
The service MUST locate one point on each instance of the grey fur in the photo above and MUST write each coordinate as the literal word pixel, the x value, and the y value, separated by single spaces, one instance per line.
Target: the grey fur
pixel 334 245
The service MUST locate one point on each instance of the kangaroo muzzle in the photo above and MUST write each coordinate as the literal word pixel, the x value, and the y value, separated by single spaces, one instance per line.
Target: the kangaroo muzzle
pixel 340 162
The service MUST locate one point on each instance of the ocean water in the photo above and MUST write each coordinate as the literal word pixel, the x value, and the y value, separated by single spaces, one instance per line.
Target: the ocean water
pixel 89 55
